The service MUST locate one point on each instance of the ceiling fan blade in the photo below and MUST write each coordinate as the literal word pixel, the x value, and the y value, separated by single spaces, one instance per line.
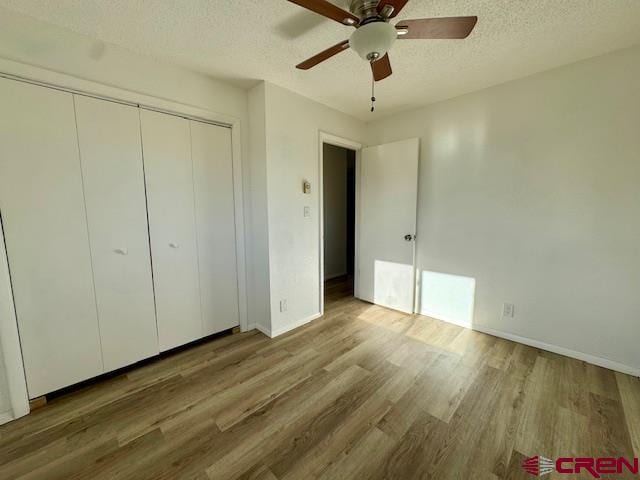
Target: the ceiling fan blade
pixel 446 27
pixel 324 55
pixel 397 5
pixel 381 68
pixel 329 10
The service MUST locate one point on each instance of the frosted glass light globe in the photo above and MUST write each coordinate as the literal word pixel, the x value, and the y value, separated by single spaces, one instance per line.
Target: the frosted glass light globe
pixel 371 38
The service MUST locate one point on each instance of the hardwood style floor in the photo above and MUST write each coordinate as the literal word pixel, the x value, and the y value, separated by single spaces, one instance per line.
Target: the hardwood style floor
pixel 362 393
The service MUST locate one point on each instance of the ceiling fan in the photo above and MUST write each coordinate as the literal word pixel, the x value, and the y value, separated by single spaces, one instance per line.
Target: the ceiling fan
pixel 374 35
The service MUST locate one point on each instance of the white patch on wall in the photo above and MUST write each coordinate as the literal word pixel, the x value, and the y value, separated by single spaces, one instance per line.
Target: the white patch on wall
pixel 390 285
pixel 447 297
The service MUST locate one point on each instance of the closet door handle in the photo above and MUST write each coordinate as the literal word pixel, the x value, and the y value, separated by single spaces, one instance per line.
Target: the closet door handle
pixel 174 245
pixel 121 251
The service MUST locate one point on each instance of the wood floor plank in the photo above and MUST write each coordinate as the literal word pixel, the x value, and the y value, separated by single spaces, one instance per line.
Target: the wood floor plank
pixel 488 416
pixel 413 453
pixel 254 447
pixel 629 388
pixel 608 427
pixel 308 433
pixel 363 392
pixel 539 416
pixel 350 431
pixel 259 472
pixel 363 460
pixel 515 470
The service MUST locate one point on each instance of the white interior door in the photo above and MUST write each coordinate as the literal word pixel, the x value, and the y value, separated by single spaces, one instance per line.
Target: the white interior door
pixel 46 236
pixel 387 204
pixel 215 225
pixel 166 143
pixel 111 156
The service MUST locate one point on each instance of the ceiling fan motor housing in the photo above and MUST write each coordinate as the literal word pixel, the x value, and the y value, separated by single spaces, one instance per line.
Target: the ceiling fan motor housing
pixel 364 8
pixel 373 40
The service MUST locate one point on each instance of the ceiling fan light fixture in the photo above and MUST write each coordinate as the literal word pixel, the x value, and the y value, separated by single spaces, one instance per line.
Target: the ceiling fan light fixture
pixel 373 40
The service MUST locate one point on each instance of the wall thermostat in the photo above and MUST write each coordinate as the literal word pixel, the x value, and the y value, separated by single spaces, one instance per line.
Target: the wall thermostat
pixel 306 187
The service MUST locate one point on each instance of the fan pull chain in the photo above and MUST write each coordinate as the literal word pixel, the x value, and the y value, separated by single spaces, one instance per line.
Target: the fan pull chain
pixel 373 94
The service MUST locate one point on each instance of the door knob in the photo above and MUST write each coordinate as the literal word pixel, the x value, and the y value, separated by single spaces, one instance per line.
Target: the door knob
pixel 121 251
pixel 408 237
pixel 174 245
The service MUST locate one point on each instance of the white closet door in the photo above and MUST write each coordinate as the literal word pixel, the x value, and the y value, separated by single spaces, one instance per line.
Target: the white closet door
pixel 111 156
pixel 215 224
pixel 167 158
pixel 46 236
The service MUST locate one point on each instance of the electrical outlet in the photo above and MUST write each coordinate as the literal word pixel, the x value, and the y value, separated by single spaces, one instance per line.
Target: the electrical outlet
pixel 508 310
pixel 283 305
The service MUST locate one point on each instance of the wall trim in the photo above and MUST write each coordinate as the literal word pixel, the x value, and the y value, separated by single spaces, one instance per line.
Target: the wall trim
pixel 585 357
pixel 6 417
pixel 272 333
pixel 262 329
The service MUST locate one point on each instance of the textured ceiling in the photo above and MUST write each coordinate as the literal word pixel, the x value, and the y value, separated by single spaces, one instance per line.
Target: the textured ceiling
pixel 248 40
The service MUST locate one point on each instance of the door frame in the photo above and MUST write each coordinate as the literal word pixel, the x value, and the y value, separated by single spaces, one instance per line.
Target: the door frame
pixel 337 141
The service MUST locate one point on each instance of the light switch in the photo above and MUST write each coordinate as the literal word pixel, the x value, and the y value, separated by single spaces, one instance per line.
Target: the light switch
pixel 508 310
pixel 307 212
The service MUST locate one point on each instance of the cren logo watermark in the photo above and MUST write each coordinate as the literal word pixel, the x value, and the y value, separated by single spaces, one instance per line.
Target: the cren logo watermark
pixel 538 465
pixel 595 466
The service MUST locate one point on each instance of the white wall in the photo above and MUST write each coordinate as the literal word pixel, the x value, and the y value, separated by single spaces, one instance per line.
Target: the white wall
pixel 258 250
pixel 29 41
pixel 335 210
pixel 532 190
pixel 293 124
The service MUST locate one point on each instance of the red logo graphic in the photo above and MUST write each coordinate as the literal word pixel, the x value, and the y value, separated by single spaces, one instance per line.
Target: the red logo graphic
pixel 596 467
pixel 538 465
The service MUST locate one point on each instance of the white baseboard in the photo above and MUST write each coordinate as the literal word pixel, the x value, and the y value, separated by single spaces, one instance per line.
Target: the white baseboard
pixel 6 417
pixel 599 361
pixel 260 328
pixel 292 326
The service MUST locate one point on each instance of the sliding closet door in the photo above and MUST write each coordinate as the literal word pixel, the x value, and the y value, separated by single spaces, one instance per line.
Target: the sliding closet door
pixel 167 158
pixel 215 223
pixel 46 236
pixel 111 156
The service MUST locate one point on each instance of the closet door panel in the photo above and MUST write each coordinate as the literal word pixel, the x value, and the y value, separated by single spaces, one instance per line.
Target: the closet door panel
pixel 44 217
pixel 167 158
pixel 111 157
pixel 215 224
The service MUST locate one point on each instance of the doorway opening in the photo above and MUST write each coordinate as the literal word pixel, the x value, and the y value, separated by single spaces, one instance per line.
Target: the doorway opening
pixel 339 217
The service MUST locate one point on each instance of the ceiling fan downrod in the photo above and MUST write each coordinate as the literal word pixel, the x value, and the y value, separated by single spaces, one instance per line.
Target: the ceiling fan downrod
pixel 373 94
